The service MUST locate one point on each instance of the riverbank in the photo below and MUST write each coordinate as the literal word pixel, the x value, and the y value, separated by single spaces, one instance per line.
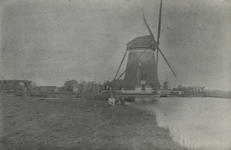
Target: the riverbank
pixel 60 124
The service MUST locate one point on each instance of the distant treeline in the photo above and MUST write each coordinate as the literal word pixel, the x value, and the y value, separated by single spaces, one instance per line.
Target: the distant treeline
pixel 83 86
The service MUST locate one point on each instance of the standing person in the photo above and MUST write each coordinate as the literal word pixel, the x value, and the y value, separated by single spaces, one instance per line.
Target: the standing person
pixel 111 100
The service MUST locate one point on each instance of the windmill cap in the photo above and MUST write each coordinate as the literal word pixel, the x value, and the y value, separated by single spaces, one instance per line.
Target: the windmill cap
pixel 142 42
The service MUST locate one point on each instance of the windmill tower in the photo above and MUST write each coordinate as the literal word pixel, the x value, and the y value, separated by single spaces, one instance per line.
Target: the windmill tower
pixel 141 74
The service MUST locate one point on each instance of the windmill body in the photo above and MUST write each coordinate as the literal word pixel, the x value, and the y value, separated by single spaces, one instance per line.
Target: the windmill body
pixel 141 73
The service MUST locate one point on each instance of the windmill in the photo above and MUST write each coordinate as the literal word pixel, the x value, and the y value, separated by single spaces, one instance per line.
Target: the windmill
pixel 141 71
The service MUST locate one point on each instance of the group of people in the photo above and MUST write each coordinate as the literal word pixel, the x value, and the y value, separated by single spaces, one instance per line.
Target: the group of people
pixel 118 100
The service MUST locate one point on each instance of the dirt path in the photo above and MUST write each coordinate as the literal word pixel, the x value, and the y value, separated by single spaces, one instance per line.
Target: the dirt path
pixel 30 123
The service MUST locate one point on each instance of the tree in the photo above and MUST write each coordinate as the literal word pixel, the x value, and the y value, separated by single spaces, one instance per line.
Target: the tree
pixel 68 85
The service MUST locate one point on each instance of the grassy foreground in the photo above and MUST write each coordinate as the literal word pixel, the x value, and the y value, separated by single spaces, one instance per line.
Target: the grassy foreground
pixel 60 124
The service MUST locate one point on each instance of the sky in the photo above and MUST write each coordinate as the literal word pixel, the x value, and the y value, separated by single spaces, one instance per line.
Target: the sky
pixel 52 41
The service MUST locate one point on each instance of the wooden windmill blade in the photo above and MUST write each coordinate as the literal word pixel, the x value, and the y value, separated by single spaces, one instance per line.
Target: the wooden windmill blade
pixel 159 23
pixel 120 64
pixel 166 60
pixel 148 28
pixel 158 37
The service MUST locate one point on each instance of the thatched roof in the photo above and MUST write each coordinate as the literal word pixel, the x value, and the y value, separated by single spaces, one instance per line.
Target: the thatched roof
pixel 142 42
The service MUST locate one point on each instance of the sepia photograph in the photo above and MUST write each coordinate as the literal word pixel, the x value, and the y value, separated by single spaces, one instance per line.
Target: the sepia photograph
pixel 115 74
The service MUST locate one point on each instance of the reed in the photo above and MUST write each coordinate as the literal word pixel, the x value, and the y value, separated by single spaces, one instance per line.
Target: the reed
pixel 175 135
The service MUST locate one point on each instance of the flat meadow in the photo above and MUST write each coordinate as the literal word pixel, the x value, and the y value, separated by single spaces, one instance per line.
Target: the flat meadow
pixel 74 123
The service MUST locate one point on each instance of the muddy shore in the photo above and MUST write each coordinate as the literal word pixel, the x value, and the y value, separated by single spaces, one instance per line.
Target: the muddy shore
pixel 47 124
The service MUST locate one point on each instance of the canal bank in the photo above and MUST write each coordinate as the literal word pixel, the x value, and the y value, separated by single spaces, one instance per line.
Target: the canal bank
pixel 62 124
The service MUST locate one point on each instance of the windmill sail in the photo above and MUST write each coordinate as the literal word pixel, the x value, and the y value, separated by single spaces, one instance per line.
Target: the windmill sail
pixel 159 23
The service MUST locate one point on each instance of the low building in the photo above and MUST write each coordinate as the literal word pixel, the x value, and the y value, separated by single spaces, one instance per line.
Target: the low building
pixel 196 89
pixel 192 90
pixel 47 89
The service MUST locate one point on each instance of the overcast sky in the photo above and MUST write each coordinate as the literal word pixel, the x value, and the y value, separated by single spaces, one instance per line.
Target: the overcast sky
pixel 51 41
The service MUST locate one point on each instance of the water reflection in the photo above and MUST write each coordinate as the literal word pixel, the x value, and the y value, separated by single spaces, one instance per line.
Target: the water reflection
pixel 197 123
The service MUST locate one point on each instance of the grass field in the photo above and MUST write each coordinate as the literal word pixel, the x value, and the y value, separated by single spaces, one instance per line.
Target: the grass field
pixel 47 124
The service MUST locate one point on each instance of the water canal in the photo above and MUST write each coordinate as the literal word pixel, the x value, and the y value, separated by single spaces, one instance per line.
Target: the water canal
pixel 197 123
